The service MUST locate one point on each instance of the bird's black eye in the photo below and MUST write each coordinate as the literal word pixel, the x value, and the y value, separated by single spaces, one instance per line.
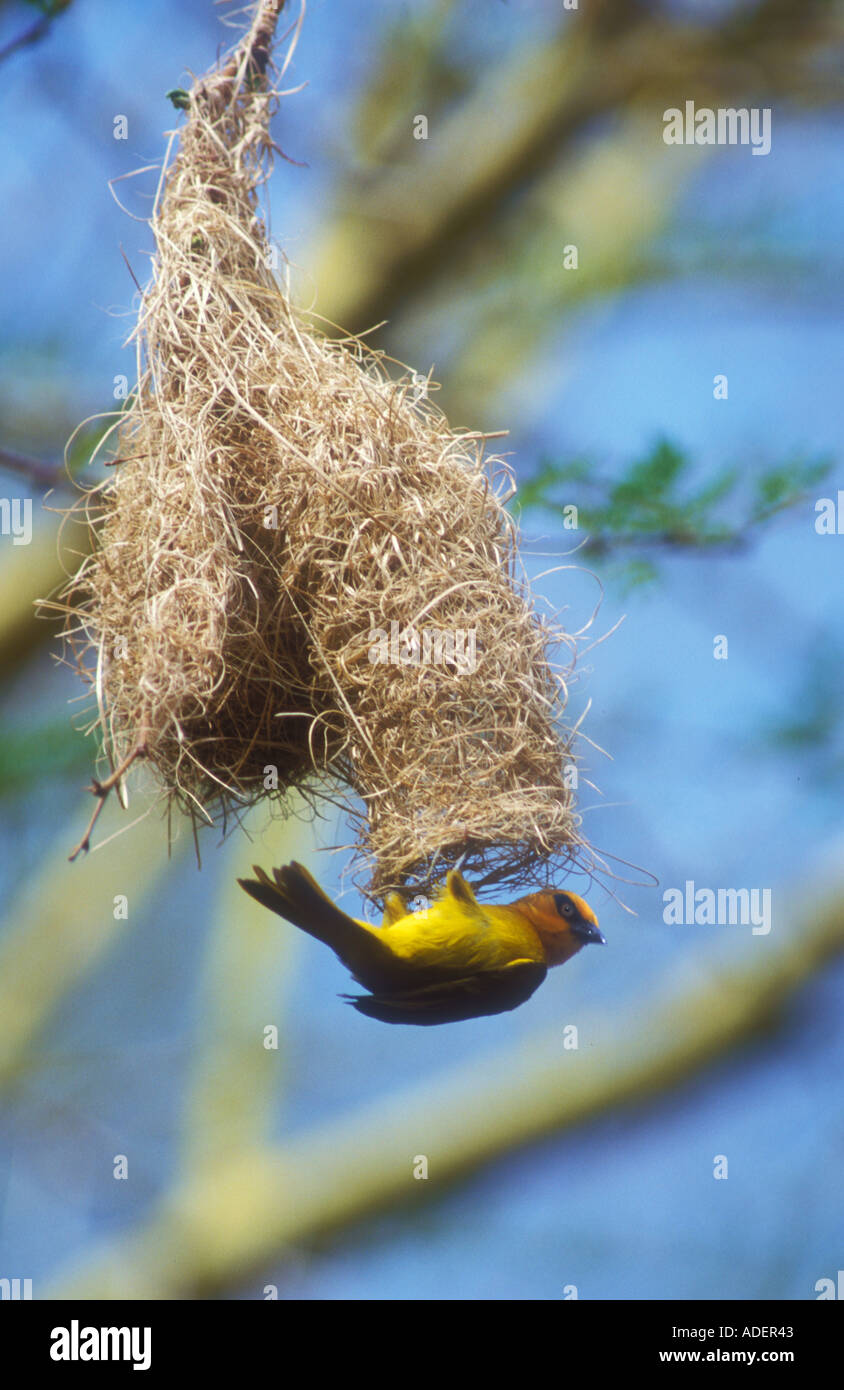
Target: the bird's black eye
pixel 564 905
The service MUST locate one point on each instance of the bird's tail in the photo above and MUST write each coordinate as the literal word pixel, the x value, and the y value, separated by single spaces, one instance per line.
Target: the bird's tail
pixel 296 896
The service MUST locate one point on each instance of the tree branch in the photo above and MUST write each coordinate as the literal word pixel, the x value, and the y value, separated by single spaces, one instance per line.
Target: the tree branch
pixel 41 475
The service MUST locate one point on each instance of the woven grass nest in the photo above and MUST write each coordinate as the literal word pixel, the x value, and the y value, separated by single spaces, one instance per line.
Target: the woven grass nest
pixel 302 575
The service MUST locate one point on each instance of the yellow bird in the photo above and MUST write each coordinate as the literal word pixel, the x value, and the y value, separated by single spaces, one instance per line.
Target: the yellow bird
pixel 456 959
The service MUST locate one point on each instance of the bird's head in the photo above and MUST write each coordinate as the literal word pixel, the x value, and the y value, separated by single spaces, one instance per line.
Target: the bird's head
pixel 562 921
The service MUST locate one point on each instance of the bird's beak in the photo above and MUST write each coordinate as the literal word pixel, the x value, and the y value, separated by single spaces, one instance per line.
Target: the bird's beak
pixel 589 931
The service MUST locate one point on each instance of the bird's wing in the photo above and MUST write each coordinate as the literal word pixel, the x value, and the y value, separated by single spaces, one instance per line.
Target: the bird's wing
pixel 451 1001
pixel 458 889
pixel 395 907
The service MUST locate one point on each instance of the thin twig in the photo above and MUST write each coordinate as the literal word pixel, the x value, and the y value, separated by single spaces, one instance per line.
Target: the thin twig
pixel 102 789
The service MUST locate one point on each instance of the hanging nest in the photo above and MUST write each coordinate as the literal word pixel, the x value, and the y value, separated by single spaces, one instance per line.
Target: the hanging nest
pixel 301 573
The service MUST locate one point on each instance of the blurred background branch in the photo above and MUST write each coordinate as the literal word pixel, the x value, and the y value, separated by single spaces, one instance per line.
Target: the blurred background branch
pixel 37 30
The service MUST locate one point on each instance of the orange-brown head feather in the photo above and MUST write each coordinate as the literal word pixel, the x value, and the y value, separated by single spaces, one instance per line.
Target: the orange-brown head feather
pixel 562 921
